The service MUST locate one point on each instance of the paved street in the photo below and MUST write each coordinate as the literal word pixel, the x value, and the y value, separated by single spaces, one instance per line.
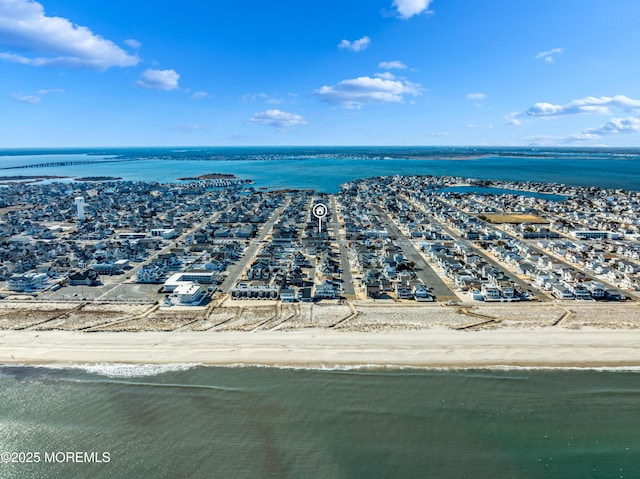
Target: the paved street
pixel 559 259
pixel 236 270
pixel 345 266
pixel 522 285
pixel 131 274
pixel 426 274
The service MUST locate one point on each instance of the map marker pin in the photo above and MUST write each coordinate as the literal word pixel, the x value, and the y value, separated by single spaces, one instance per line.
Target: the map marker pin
pixel 320 211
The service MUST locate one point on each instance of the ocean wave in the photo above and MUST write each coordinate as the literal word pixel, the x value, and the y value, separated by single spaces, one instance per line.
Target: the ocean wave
pixel 632 369
pixel 396 367
pixel 117 370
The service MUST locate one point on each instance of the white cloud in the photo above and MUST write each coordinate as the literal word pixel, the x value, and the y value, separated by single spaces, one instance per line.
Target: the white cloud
pixel 200 95
pixel 270 99
pixel 356 45
pixel 355 93
pixel 513 118
pixel 158 80
pixel 135 44
pixel 472 125
pixel 254 96
pixel 476 96
pixel 46 91
pixel 395 64
pixel 30 99
pixel 548 56
pixel 409 8
pixel 54 41
pixel 599 105
pixel 615 126
pixel 34 99
pixel 278 119
pixel 385 76
pixel 439 134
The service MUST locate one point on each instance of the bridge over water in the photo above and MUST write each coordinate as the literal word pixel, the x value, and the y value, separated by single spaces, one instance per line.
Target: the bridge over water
pixel 67 163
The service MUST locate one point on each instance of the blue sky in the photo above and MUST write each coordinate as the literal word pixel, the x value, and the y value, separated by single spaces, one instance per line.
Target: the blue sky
pixel 330 72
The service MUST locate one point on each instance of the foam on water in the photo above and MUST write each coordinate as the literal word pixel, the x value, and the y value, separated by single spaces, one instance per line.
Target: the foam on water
pixel 396 367
pixel 631 369
pixel 116 370
pixel 121 371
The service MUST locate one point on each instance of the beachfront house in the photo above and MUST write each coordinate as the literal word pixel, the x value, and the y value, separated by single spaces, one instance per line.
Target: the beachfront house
pixel 490 292
pixel 403 290
pixel 421 293
pixel 28 282
pixel 188 294
pixel 596 289
pixel 88 277
pixel 326 290
pixel 560 291
pixel 287 295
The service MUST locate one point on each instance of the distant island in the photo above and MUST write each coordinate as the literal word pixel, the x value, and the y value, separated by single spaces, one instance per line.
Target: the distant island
pixel 209 176
pixel 98 178
pixel 26 179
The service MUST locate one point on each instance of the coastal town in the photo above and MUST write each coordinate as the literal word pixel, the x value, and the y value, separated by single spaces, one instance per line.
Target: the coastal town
pixel 215 252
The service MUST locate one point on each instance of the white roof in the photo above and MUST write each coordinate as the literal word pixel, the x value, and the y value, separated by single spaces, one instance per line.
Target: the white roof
pixel 187 288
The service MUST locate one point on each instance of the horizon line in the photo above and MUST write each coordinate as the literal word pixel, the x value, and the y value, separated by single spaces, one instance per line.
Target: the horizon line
pixel 565 147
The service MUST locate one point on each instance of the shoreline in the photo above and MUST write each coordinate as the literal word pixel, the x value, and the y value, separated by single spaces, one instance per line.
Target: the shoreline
pixel 125 370
pixel 322 349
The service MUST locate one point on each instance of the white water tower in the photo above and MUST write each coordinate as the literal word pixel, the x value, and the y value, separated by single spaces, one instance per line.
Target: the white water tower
pixel 80 207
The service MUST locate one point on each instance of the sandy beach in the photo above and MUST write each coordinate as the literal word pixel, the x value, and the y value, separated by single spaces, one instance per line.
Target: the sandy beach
pixel 579 334
pixel 319 348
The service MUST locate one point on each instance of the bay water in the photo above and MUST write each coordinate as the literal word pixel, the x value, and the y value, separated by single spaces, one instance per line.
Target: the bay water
pixel 324 169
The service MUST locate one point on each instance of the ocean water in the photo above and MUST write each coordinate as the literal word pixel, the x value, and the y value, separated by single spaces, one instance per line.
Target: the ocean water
pixel 326 168
pixel 205 422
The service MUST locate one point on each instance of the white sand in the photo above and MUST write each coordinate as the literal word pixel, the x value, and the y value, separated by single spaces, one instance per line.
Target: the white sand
pixel 326 334
pixel 434 347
